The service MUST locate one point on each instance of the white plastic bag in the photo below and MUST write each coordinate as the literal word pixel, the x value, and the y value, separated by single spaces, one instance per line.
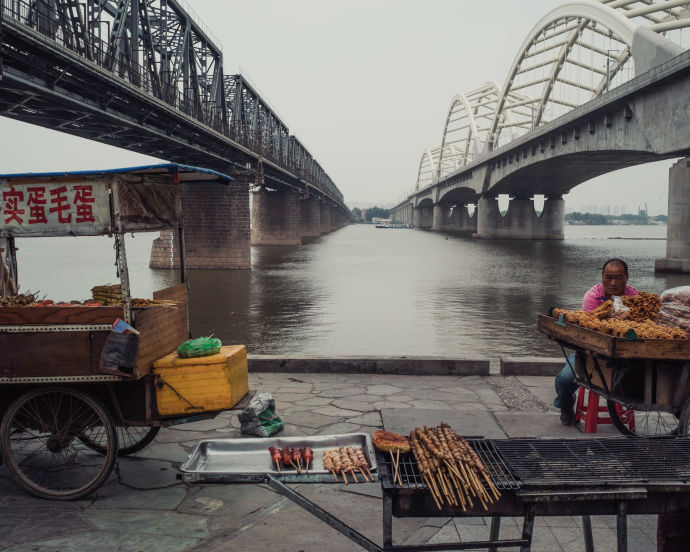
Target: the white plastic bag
pixel 620 310
pixel 675 308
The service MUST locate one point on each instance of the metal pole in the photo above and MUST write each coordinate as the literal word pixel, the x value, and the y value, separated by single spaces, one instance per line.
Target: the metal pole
pixel 587 530
pixel 494 531
pixel 323 515
pixel 387 520
pixel 528 528
pixel 622 527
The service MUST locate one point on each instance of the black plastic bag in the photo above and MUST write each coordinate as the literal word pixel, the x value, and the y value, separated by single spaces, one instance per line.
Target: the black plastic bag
pixel 119 355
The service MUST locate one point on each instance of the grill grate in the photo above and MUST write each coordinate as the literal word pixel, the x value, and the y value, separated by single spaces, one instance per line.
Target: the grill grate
pixel 411 478
pixel 589 462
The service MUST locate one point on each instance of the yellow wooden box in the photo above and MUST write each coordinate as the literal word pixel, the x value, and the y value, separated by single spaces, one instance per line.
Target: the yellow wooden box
pixel 192 385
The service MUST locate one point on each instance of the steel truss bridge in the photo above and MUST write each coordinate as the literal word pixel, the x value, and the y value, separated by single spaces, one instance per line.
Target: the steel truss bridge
pixel 572 55
pixel 147 76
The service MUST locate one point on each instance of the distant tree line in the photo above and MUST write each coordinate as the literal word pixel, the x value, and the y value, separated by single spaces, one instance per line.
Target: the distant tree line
pixel 591 218
pixel 370 213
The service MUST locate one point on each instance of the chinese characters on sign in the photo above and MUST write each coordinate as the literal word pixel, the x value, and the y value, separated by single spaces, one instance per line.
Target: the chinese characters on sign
pixel 79 208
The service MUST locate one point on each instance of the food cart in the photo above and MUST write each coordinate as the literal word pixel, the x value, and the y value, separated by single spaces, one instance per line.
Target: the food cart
pixel 65 417
pixel 646 382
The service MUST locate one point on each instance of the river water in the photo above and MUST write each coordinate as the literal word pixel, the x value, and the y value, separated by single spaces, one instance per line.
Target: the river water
pixel 368 291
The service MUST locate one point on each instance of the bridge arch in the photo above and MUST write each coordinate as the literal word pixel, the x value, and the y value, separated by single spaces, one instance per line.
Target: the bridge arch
pixel 571 56
pixel 459 196
pixel 428 168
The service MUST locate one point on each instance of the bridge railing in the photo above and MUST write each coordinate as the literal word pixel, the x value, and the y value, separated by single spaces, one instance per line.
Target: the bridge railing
pixel 69 31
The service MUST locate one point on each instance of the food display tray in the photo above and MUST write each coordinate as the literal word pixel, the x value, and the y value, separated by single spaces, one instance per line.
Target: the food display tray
pixel 613 347
pixel 248 460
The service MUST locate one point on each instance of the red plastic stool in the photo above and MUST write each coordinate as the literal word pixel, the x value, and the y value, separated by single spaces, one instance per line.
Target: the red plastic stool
pixel 589 413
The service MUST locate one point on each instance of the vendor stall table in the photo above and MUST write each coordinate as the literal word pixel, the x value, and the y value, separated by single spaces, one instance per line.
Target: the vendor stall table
pixel 536 477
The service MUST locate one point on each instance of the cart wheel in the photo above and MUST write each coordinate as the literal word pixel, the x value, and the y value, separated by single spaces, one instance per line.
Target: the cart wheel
pixel 41 436
pixel 130 439
pixel 642 423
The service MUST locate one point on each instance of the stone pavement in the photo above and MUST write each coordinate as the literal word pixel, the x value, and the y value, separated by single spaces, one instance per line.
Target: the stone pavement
pixel 143 507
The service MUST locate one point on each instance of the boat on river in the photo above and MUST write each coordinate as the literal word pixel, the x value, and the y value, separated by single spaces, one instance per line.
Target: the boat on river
pixel 391 223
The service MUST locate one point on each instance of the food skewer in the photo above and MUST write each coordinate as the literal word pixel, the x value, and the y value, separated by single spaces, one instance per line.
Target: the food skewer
pixel 396 475
pixel 275 456
pixel 288 460
pixel 308 456
pixel 348 466
pixel 451 469
pixel 392 442
pixel 361 462
pixel 357 461
pixel 328 463
pixel 297 457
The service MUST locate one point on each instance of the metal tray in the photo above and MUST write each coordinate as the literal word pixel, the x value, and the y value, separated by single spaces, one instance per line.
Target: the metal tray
pixel 248 460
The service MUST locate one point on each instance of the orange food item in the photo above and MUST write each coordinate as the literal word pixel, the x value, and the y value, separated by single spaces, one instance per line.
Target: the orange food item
pixel 388 441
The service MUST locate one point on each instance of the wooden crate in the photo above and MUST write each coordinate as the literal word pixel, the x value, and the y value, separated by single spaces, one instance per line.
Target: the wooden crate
pixel 614 347
pixel 162 329
pixel 78 353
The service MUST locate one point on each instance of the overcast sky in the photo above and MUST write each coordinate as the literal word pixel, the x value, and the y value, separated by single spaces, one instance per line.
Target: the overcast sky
pixel 365 85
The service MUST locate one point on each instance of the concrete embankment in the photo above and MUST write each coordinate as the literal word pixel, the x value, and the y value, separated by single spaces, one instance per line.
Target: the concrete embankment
pixel 407 365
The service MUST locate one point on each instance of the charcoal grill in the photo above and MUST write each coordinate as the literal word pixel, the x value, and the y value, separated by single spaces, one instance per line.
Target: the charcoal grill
pixel 548 477
pixel 604 462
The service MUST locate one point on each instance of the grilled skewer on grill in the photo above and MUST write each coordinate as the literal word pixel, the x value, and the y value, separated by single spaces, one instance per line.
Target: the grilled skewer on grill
pixel 387 441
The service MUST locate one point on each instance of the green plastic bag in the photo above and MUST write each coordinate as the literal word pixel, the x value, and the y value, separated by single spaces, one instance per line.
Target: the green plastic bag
pixel 199 347
pixel 270 421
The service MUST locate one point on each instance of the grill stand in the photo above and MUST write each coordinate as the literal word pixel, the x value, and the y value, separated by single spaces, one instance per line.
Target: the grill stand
pixel 322 514
pixel 524 543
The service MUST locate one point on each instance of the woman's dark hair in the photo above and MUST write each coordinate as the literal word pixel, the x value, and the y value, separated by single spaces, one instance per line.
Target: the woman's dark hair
pixel 615 261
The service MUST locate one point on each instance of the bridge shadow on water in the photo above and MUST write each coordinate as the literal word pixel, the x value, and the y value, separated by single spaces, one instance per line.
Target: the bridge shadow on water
pixel 263 307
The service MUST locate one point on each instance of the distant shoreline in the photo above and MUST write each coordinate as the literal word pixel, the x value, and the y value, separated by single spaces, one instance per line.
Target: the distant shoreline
pixel 622 238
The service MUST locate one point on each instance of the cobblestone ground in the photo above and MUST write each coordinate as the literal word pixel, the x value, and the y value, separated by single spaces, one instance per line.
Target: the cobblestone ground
pixel 143 507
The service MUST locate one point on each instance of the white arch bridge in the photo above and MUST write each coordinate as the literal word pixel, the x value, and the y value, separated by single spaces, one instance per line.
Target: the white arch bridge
pixel 595 87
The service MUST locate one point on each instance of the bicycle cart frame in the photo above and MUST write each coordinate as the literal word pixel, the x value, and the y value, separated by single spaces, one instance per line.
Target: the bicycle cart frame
pixel 51 381
pixel 640 375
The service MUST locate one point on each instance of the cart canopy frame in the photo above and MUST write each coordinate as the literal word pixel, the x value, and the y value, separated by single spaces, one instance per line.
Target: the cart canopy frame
pixel 109 202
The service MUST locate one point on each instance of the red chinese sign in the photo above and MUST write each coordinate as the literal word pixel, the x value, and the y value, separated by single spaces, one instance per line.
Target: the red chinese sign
pixel 72 208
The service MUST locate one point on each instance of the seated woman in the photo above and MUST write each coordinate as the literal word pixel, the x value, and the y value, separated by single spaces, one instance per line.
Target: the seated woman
pixel 614 280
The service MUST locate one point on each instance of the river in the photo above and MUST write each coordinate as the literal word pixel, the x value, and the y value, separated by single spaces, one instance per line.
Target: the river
pixel 368 291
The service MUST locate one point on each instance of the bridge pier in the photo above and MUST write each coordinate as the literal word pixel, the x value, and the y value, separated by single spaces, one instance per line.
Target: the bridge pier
pixel 549 225
pixel 424 218
pixel 325 217
pixel 339 219
pixel 276 218
pixel 311 218
pixel 216 221
pixel 439 214
pixel 678 224
pixel 521 221
pixel 454 219
pixel 406 215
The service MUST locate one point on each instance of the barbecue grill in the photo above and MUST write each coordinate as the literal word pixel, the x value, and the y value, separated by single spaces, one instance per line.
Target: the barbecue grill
pixel 549 477
pixel 536 477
